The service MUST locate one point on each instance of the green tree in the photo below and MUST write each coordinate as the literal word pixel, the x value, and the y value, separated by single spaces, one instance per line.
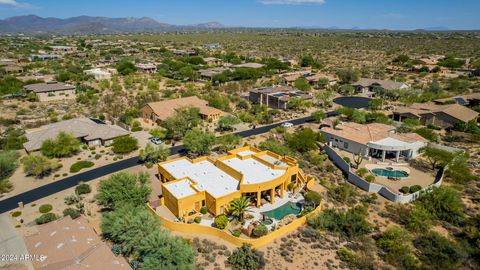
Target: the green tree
pixel 459 171
pixel 427 133
pixel 123 188
pixel 375 104
pixel 437 252
pixel 443 203
pixel 126 68
pixel 160 250
pixel 298 104
pixel 182 121
pixel 348 75
pixel 303 139
pixel 318 116
pixel 227 121
pixel 63 145
pixel 158 132
pixel 246 258
pixel 419 220
pixel 346 90
pixel 239 207
pixel 313 198
pixel 218 101
pixel 228 142
pixel 13 139
pixel 436 156
pixel 124 144
pixel 302 84
pixel 395 242
pixel 199 142
pixel 308 61
pixel 351 223
pixel 38 166
pixel 8 164
pixel 153 153
pixel 275 146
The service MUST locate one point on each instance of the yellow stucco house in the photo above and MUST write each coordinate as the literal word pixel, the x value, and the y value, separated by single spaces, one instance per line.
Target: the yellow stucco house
pixel 188 185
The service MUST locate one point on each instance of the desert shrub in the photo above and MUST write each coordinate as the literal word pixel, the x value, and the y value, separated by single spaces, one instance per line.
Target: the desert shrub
pixel 395 243
pixel 362 172
pixel 203 210
pixel 370 178
pixel 260 230
pixel 8 164
pixel 83 189
pixel 418 220
pixel 291 186
pixel 405 190
pixel 428 134
pixel 347 160
pixel 444 203
pixel 46 218
pixel 16 214
pixel 124 145
pixel 64 145
pixel 124 188
pixel 45 208
pixel 236 233
pixel 73 213
pixel 98 156
pixel 437 252
pixel 246 258
pixel 39 166
pixel 313 198
pixel 351 223
pixel 221 222
pixel 197 219
pixel 71 199
pixel 415 188
pixel 77 166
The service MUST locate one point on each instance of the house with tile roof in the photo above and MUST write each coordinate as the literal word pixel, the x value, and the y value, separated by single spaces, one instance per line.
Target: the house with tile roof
pixel 367 85
pixel 92 132
pixel 374 140
pixel 51 91
pixel 161 110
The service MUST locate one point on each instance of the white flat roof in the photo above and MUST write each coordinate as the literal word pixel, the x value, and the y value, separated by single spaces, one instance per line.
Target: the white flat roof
pixel 180 188
pixel 253 171
pixel 206 176
pixel 246 153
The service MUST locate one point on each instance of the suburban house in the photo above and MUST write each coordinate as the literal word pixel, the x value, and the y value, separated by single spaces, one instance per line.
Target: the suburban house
pixel 444 116
pixel 71 244
pixel 188 185
pixel 276 96
pixel 248 65
pixel 101 73
pixel 374 140
pixel 147 68
pixel 468 100
pixel 91 132
pixel 63 49
pixel 210 72
pixel 213 61
pixel 184 52
pixel 212 46
pixel 9 69
pixel 42 57
pixel 51 91
pixel 161 110
pixel 367 86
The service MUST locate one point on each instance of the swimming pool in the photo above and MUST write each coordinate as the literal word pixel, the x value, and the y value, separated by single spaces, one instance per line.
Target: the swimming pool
pixel 284 210
pixel 390 173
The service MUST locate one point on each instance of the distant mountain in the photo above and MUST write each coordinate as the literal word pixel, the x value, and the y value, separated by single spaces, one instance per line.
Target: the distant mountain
pixel 32 24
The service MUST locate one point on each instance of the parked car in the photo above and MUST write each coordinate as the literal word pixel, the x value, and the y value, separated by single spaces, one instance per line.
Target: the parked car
pixel 287 124
pixel 156 141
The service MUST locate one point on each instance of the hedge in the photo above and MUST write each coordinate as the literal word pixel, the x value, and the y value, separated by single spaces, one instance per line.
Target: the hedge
pixel 45 208
pixel 77 166
pixel 83 189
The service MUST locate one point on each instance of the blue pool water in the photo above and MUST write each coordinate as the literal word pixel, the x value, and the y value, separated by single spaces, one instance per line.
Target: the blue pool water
pixel 390 173
pixel 284 210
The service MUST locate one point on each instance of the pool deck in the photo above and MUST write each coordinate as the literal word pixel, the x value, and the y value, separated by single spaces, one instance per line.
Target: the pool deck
pixel 416 177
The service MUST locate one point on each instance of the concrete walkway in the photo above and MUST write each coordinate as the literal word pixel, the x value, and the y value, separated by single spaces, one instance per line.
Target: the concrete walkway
pixel 11 243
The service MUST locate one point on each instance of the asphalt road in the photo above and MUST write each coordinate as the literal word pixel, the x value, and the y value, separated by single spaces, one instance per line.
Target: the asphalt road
pixel 71 181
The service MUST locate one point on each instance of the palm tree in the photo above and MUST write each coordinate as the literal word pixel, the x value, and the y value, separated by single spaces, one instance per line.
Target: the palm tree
pixel 239 206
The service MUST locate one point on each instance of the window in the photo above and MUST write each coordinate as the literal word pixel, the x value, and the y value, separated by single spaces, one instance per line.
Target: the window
pixel 294 178
pixel 345 145
pixel 222 210
pixel 203 203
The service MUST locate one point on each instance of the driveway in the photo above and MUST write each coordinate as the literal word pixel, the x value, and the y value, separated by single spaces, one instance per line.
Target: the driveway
pixel 142 138
pixel 11 243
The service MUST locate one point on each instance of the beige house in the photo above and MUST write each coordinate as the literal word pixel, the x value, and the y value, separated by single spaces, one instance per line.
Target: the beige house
pixel 444 116
pixel 51 91
pixel 367 85
pixel 276 97
pixel 161 110
pixel 91 132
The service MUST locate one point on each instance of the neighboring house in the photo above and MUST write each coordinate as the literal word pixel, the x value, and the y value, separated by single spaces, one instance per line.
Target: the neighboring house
pixel 210 72
pixel 69 245
pixel 9 69
pixel 213 61
pixel 315 79
pixel 51 91
pixel 91 132
pixel 184 52
pixel 161 110
pixel 248 65
pixel 366 85
pixel 212 46
pixel 147 68
pixel 9 62
pixel 444 116
pixel 469 100
pixel 101 73
pixel 188 185
pixel 374 140
pixel 63 49
pixel 276 97
pixel 42 57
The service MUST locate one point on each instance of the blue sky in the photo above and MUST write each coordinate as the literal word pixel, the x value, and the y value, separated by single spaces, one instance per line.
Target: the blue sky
pixel 392 14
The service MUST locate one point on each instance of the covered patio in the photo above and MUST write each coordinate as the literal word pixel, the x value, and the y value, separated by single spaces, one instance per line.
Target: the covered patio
pixel 392 149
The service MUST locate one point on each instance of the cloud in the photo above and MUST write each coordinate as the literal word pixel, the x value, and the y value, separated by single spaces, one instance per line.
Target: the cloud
pixel 292 2
pixel 15 4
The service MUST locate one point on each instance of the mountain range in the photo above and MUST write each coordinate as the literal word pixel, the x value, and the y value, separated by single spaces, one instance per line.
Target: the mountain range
pixel 32 24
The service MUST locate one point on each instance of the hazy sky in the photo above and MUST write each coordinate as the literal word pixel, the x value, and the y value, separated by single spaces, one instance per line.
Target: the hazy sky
pixel 393 14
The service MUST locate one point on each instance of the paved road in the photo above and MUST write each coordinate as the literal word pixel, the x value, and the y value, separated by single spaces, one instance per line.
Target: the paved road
pixel 71 181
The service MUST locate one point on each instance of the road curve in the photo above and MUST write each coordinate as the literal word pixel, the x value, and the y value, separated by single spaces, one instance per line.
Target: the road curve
pixel 71 181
